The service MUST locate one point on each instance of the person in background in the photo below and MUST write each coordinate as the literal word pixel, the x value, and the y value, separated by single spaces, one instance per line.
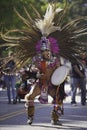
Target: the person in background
pixel 10 79
pixel 78 79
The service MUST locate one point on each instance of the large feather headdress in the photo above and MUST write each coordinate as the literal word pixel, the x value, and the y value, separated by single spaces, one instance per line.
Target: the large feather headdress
pixel 51 26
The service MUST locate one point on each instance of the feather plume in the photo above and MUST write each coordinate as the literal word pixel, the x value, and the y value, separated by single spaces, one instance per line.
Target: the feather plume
pixel 46 25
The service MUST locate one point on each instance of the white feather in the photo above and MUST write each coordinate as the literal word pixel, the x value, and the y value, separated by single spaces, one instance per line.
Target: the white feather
pixel 58 10
pixel 46 25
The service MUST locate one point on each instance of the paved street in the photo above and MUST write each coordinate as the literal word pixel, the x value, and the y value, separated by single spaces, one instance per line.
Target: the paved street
pixel 14 117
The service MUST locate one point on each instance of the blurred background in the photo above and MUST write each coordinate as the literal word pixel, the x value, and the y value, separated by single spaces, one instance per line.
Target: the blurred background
pixel 10 20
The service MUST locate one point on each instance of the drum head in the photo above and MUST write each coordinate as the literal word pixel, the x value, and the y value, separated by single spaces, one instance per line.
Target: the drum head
pixel 59 75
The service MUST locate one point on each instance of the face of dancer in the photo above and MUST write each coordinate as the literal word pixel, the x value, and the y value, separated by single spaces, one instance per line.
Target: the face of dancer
pixel 46 54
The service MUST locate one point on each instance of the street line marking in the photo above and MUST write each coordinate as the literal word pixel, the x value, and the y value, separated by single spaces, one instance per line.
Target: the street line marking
pixel 6 116
pixel 19 112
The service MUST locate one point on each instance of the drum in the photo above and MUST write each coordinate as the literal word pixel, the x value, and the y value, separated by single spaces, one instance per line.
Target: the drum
pixel 59 75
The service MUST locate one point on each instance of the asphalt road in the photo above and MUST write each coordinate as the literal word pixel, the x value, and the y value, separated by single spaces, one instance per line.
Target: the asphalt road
pixel 14 116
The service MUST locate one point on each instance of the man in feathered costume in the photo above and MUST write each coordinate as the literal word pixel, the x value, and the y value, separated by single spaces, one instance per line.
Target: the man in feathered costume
pixel 46 61
pixel 44 41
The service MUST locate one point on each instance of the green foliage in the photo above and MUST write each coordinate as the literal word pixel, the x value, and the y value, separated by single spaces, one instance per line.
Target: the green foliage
pixel 78 8
pixel 6 13
pixel 10 20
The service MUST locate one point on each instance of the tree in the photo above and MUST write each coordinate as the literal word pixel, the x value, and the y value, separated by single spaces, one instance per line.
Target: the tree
pixel 8 18
pixel 78 8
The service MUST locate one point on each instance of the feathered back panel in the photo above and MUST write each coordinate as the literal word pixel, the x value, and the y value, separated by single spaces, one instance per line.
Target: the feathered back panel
pixel 51 25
